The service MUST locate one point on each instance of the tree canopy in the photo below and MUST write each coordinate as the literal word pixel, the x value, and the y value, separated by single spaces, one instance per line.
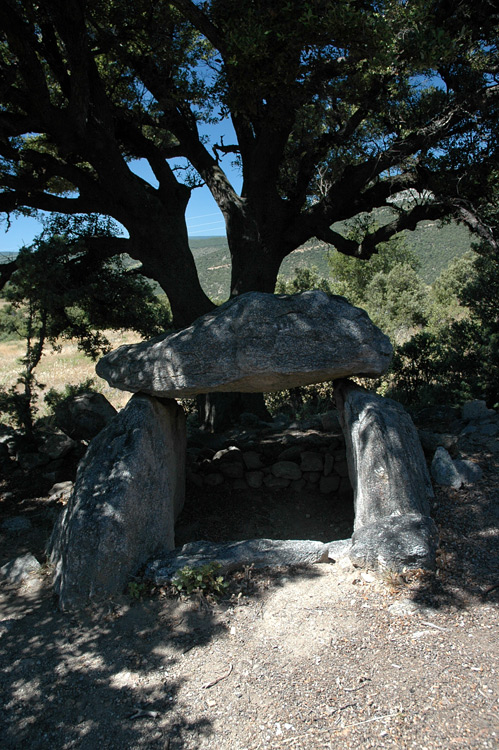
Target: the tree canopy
pixel 338 106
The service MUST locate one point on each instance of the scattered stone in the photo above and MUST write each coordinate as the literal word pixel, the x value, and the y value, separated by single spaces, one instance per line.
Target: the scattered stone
pixel 231 454
pixel 61 491
pixel 231 555
pixel 82 417
pixel 16 523
pixel 328 464
pixel 433 440
pixel 339 549
pixel 444 471
pixel 252 460
pixel 286 470
pixel 311 461
pixel 19 569
pixel 128 492
pixel 56 444
pixel 469 472
pixel 255 342
pixel 476 410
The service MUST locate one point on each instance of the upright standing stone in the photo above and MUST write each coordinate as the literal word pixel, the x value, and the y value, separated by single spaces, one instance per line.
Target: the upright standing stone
pixel 392 487
pixel 128 492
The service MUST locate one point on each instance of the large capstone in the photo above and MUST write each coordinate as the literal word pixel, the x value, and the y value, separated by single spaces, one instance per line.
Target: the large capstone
pixel 254 343
pixel 128 492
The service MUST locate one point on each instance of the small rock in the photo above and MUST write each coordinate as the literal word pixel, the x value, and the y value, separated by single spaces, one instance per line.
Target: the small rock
pixel 60 491
pixel 252 460
pixel 19 569
pixel 57 445
pixel 475 410
pixel 339 551
pixel 311 461
pixel 443 470
pixel 312 476
pixel 469 472
pixel 328 464
pixel 286 470
pixel 228 455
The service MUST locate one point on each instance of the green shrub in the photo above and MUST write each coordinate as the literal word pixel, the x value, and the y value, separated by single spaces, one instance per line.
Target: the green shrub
pixel 203 580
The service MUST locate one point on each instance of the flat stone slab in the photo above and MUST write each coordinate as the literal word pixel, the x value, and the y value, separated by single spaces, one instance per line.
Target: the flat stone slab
pixel 254 343
pixel 231 555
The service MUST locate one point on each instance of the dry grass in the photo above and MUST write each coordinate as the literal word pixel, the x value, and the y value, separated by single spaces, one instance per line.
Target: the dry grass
pixel 61 368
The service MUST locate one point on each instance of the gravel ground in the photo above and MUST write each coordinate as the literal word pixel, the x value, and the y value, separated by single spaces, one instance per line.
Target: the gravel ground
pixel 327 656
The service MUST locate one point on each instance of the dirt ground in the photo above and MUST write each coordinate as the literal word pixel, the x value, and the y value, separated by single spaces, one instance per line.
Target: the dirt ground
pixel 326 656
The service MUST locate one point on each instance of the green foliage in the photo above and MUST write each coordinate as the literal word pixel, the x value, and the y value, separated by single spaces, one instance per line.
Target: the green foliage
pixel 136 589
pixel 302 402
pixel 60 291
pixel 457 359
pixel 202 580
pixel 351 276
pixel 304 280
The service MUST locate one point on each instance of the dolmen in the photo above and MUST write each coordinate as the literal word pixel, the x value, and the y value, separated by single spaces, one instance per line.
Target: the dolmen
pixel 130 486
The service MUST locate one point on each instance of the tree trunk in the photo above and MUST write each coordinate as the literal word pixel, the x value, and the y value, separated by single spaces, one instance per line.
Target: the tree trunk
pixel 158 238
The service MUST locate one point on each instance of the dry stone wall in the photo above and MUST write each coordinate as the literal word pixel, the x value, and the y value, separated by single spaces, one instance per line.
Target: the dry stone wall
pixel 294 460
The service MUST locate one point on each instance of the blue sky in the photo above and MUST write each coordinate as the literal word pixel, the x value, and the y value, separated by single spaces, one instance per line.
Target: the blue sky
pixel 204 218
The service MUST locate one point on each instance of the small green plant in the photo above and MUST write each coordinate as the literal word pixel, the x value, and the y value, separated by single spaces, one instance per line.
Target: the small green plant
pixel 203 580
pixel 136 590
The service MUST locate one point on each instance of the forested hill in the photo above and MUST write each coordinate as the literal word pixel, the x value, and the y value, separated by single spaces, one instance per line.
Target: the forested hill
pixel 435 246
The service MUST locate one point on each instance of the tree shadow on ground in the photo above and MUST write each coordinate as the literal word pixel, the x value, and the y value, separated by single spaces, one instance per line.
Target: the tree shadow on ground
pixel 105 678
pixel 467 558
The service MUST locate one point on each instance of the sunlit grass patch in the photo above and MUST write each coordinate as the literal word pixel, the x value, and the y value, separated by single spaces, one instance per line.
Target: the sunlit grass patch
pixel 57 369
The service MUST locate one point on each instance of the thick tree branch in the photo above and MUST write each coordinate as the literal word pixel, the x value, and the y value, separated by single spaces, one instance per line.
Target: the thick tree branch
pixel 6 271
pixel 201 22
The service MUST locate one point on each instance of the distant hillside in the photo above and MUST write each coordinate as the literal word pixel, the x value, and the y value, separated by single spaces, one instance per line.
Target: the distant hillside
pixel 435 246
